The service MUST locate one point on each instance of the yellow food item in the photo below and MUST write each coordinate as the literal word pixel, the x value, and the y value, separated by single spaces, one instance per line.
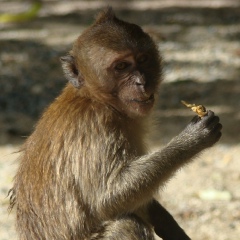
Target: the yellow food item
pixel 200 109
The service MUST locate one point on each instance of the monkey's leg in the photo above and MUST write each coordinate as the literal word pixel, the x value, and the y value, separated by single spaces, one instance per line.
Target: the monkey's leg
pixel 164 224
pixel 129 227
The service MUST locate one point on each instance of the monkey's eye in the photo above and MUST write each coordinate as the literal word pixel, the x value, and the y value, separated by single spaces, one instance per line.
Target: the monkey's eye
pixel 122 66
pixel 142 58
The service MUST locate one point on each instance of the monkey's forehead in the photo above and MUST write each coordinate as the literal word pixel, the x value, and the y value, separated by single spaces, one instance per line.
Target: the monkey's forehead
pixel 118 36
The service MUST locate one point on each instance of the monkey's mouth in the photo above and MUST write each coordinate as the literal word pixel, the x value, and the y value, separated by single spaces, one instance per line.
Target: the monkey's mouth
pixel 150 99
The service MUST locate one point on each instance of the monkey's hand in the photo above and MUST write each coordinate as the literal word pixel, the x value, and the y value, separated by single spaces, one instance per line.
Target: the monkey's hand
pixel 202 132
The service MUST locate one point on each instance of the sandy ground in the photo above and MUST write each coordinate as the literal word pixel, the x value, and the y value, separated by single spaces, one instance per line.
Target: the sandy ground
pixel 201 49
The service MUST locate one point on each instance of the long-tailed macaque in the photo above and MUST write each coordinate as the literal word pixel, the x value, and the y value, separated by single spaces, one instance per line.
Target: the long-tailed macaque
pixel 84 172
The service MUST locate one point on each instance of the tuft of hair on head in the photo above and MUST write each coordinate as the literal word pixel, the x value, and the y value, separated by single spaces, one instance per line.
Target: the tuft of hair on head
pixel 105 16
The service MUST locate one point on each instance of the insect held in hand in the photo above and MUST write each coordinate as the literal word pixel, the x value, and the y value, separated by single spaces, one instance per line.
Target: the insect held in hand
pixel 199 109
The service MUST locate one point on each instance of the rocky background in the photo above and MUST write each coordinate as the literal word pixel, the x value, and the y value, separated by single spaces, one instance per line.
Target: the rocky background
pixel 200 44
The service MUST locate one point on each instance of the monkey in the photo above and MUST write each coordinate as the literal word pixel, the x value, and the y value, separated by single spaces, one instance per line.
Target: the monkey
pixel 85 172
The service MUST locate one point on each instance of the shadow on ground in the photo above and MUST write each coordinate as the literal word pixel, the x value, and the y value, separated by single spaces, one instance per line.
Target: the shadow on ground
pixel 31 75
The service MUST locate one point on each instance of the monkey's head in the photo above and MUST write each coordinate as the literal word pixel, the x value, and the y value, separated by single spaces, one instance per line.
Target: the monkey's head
pixel 115 62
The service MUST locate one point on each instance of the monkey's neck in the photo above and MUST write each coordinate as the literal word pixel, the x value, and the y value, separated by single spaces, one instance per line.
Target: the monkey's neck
pixel 134 129
pixel 73 94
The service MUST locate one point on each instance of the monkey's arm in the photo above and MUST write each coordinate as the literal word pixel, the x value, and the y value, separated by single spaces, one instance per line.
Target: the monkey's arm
pixel 143 176
pixel 164 224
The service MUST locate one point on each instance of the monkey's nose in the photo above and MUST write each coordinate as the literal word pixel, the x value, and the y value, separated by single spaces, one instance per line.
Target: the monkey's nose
pixel 138 78
pixel 140 81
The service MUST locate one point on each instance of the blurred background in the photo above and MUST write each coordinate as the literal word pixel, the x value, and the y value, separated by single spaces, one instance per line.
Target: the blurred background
pixel 200 44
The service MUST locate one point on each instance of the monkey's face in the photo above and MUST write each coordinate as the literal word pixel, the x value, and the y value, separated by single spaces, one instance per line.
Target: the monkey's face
pixel 125 80
pixel 135 86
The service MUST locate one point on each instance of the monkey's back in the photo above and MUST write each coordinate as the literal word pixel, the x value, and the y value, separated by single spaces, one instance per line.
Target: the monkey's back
pixel 78 148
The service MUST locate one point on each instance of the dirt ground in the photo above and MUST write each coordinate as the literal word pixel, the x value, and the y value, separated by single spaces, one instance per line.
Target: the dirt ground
pixel 200 44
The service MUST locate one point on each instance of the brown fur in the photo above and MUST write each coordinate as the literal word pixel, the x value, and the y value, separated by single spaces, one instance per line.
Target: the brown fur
pixel 84 172
pixel 64 168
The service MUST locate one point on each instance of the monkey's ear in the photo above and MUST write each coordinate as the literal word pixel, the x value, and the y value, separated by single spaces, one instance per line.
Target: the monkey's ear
pixel 71 72
pixel 105 15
